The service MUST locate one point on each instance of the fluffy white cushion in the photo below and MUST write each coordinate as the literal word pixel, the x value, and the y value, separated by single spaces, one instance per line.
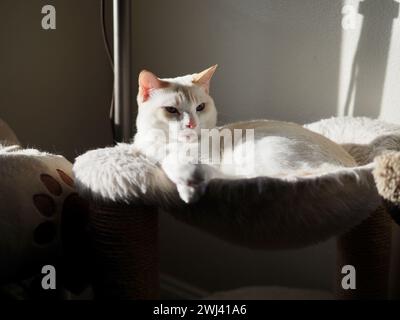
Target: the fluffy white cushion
pixel 363 138
pixel 29 212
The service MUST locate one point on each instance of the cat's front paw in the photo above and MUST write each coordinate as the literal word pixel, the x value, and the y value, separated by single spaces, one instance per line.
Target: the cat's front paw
pixel 190 194
pixel 189 179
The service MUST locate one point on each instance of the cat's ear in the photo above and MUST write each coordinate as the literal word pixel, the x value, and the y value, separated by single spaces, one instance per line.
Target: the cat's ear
pixel 203 78
pixel 149 81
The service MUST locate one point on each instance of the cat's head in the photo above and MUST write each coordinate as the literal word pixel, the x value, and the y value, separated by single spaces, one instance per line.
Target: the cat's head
pixel 180 107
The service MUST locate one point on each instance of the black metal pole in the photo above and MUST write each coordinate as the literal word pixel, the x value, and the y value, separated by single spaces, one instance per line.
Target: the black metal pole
pixel 123 122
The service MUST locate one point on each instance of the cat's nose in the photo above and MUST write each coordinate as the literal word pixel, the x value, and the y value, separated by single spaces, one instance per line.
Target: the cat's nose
pixel 191 124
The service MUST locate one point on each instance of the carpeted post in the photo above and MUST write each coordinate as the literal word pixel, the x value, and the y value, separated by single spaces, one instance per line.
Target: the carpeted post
pixel 124 241
pixel 367 248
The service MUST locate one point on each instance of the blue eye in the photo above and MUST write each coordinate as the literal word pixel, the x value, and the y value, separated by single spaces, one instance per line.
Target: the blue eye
pixel 200 107
pixel 171 109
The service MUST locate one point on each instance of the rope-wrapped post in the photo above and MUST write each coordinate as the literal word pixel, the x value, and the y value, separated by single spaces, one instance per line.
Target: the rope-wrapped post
pixel 367 248
pixel 124 244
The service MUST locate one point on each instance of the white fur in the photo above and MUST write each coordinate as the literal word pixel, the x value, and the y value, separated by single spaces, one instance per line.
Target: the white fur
pixel 184 95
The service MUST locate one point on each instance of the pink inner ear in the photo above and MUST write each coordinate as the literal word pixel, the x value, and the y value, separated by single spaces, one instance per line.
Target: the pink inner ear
pixel 149 81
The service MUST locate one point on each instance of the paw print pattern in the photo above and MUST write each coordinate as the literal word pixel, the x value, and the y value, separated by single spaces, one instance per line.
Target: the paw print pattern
pixel 46 204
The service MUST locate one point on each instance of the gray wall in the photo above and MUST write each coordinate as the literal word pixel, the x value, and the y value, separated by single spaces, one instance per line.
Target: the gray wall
pixel 55 86
pixel 280 59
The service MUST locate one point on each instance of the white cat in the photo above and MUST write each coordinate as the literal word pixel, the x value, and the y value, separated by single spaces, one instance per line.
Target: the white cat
pixel 173 113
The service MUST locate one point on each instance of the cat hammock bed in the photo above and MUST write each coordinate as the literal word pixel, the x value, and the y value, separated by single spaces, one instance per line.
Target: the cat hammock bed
pixel 263 212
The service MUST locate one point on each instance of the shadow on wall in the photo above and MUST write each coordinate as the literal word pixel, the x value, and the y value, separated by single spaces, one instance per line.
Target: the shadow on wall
pixel 370 61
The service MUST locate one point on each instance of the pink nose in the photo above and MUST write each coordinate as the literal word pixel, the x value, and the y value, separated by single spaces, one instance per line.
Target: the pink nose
pixel 191 124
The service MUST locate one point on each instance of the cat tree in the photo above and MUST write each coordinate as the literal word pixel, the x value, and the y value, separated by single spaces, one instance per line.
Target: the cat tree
pixel 278 214
pixel 113 241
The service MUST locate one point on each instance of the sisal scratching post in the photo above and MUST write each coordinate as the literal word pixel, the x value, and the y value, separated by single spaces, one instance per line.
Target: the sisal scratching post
pixel 124 241
pixel 367 248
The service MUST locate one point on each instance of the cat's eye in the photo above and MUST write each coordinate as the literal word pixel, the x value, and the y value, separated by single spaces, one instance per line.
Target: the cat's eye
pixel 171 109
pixel 200 107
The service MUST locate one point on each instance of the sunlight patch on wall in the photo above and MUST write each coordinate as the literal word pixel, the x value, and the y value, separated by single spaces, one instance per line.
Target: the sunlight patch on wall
pixel 351 27
pixel 369 70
